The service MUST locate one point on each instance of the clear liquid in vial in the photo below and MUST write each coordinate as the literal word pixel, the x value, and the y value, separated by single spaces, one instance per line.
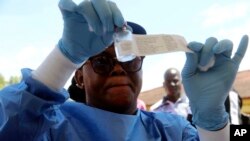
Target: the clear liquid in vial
pixel 123 42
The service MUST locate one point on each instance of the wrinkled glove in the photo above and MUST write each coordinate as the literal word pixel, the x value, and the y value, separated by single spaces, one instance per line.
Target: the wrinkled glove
pixel 207 90
pixel 88 28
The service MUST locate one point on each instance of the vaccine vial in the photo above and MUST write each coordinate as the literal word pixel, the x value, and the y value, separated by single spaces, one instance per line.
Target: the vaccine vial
pixel 124 44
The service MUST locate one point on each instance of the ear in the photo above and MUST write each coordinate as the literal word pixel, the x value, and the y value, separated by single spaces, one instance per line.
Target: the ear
pixel 79 79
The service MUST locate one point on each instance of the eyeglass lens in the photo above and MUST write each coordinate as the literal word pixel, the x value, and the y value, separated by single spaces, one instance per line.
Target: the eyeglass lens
pixel 105 64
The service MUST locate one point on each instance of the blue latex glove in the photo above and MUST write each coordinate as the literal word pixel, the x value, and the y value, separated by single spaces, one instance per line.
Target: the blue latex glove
pixel 88 27
pixel 207 90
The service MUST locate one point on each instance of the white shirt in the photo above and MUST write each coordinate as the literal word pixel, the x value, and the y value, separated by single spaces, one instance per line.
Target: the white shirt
pixel 234 108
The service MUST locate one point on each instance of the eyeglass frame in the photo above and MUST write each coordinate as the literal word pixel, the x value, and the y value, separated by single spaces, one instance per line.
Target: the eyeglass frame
pixel 114 61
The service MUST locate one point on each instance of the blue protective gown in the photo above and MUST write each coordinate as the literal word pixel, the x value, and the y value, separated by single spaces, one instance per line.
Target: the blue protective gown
pixel 30 111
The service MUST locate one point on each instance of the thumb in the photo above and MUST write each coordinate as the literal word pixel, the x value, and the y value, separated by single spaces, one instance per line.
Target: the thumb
pixel 241 50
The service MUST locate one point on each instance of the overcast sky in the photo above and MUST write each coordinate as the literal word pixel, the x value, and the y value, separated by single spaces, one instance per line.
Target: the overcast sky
pixel 30 29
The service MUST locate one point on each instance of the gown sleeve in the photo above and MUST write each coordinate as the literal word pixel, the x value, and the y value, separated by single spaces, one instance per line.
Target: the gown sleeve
pixel 29 109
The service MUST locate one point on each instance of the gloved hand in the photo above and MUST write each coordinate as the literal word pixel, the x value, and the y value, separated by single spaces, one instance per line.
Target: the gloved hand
pixel 88 27
pixel 207 90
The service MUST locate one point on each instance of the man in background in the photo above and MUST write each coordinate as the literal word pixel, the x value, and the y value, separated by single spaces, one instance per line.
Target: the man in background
pixel 175 100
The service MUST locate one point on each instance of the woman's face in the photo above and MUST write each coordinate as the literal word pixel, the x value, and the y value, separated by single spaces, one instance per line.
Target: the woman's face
pixel 115 90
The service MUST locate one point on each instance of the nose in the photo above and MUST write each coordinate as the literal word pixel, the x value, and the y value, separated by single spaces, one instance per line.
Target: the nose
pixel 172 83
pixel 117 70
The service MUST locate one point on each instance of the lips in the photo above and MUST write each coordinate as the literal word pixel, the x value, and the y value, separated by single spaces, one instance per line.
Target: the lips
pixel 118 83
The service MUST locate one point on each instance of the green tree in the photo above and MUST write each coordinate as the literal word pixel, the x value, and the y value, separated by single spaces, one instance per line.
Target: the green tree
pixel 14 80
pixel 2 81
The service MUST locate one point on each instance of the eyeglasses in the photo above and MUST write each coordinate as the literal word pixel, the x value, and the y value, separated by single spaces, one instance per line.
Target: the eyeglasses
pixel 104 64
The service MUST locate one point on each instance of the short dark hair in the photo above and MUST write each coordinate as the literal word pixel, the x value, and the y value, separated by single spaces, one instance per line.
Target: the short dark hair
pixel 76 93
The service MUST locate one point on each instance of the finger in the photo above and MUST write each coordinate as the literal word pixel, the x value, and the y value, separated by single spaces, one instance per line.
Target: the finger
pixel 117 15
pixel 67 5
pixel 206 52
pixel 87 10
pixel 241 49
pixel 208 65
pixel 101 42
pixel 224 47
pixel 191 63
pixel 195 46
pixel 105 14
pixel 190 66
